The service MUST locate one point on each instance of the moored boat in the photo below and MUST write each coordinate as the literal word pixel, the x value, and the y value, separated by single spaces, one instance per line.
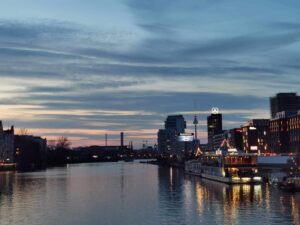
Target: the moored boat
pixel 290 184
pixel 231 168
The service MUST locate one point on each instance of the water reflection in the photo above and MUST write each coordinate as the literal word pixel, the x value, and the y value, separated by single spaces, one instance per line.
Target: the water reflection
pixel 6 188
pixel 199 201
pixel 245 203
pixel 134 193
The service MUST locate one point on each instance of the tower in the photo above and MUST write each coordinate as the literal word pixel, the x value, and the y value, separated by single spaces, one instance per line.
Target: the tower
pixel 214 126
pixel 106 137
pixel 122 139
pixel 195 122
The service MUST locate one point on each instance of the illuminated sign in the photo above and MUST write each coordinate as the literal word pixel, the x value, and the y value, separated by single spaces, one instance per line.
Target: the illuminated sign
pixel 252 128
pixel 215 110
pixel 186 137
pixel 253 148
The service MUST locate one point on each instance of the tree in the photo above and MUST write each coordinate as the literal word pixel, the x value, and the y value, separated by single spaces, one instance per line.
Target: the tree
pixel 23 132
pixel 63 143
pixel 51 145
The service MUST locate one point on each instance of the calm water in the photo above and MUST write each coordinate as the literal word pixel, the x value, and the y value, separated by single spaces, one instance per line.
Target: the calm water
pixel 134 193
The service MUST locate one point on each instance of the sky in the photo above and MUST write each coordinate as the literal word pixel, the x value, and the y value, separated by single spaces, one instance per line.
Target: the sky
pixel 82 69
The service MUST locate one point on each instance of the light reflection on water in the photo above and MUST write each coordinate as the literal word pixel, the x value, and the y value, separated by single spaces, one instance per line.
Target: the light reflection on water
pixel 134 193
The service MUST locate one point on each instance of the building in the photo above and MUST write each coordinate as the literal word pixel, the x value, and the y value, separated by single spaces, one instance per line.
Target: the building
pixel 122 139
pixel 168 143
pixel 235 138
pixel 228 139
pixel 7 150
pixel 293 126
pixel 218 140
pixel 288 102
pixel 279 138
pixel 214 127
pixel 176 122
pixel 255 136
pixel 31 152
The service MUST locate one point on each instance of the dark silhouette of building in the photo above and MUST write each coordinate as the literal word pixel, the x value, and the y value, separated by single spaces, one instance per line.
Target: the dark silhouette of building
pixel 176 122
pixel 288 102
pixel 167 137
pixel 7 151
pixel 235 137
pixel 122 139
pixel 255 136
pixel 31 152
pixel 214 127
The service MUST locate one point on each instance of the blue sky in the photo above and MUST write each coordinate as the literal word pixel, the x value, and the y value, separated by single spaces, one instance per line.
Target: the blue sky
pixel 86 68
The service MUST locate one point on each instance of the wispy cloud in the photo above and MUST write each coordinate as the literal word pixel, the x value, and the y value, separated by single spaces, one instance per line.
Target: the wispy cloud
pixel 61 77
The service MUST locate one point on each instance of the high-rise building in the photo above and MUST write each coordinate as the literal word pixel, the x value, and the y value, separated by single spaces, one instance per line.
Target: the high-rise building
pixel 167 137
pixel 214 127
pixel 255 136
pixel 167 141
pixel 288 102
pixel 278 138
pixel 293 126
pixel 175 122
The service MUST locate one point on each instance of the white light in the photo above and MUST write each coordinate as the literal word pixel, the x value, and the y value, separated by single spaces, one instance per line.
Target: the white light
pixel 186 137
pixel 254 148
pixel 246 179
pixel 257 178
pixel 215 110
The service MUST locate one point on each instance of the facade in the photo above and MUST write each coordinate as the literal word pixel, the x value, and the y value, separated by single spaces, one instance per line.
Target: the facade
pixel 255 136
pixel 168 143
pixel 214 127
pixel 228 139
pixel 293 126
pixel 284 136
pixel 288 102
pixel 235 137
pixel 176 122
pixel 218 140
pixel 7 150
pixel 203 147
pixel 31 151
pixel 278 134
pixel 167 139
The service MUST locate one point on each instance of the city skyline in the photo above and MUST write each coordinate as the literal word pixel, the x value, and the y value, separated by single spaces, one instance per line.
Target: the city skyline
pixel 85 69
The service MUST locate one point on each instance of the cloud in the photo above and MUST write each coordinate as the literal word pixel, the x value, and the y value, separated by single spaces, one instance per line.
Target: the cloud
pixel 61 76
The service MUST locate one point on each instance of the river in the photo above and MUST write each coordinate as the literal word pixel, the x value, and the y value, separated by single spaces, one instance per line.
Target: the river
pixel 132 193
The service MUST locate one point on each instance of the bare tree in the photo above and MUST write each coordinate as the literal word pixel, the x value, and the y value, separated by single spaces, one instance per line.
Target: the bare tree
pixel 63 142
pixel 51 144
pixel 23 131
